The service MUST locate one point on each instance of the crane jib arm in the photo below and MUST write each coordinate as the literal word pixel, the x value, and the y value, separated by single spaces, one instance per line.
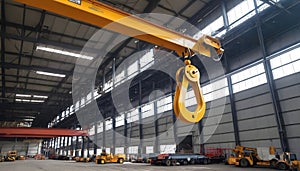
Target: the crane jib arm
pixel 99 14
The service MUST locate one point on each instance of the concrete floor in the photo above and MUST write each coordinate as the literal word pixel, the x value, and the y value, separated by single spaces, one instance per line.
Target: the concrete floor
pixel 53 165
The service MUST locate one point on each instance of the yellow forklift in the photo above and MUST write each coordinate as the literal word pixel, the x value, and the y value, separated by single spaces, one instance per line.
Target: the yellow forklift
pixel 110 158
pixel 10 156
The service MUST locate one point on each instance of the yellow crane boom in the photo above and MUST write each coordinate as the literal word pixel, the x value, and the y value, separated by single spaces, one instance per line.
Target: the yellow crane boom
pixel 99 14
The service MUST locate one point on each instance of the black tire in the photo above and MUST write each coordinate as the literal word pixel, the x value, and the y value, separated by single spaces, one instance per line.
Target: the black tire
pixel 192 161
pixel 174 162
pixel 282 166
pixel 168 163
pixel 185 162
pixel 205 161
pixel 273 163
pixel 121 161
pixel 102 161
pixel 244 162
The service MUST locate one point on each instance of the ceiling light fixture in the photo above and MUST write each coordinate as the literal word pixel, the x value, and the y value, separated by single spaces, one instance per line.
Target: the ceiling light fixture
pixel 28 120
pixel 50 74
pixel 23 95
pixel 37 101
pixel 24 100
pixel 41 97
pixel 64 52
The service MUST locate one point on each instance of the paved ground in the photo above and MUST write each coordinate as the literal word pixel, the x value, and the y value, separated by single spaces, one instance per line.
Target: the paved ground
pixel 53 165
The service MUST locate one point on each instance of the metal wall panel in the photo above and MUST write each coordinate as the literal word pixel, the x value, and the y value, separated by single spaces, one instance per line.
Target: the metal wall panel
pixel 289 95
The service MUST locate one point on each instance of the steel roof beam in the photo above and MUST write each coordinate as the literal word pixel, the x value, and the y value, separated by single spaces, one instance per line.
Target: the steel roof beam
pixel 36 68
pixel 38 92
pixel 38 79
pixel 29 106
pixel 3 32
pixel 40 132
pixel 34 29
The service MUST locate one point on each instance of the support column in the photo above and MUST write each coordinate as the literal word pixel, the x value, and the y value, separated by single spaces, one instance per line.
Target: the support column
pixel 113 148
pixel 65 146
pixel 60 145
pixel 270 79
pixel 174 117
pixel 69 146
pixel 82 146
pixel 76 147
pixel 96 139
pixel 104 135
pixel 156 143
pixel 224 14
pixel 73 150
pixel 234 113
pixel 200 129
pixel 88 146
pixel 125 133
pixel 140 151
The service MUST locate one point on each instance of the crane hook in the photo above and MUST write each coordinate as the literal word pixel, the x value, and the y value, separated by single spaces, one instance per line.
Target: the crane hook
pixel 190 76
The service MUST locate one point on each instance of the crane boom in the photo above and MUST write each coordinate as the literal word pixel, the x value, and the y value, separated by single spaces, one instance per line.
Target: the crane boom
pixel 100 14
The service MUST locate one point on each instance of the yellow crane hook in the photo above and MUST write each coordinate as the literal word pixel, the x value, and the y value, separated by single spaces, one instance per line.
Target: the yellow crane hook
pixel 191 75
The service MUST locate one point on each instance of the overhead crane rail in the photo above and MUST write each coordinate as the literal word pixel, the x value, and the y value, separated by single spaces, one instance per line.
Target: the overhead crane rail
pixel 100 14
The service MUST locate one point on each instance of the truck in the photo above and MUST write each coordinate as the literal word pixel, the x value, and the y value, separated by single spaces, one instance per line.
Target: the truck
pixel 110 158
pixel 182 159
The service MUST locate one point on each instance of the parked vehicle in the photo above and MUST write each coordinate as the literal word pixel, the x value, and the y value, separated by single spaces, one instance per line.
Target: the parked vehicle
pixel 182 159
pixel 262 156
pixel 110 158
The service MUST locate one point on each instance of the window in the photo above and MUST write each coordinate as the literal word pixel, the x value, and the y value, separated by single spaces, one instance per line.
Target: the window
pixel 133 116
pixel 71 109
pixel 215 90
pixel 212 27
pixel 89 97
pixel 63 115
pixel 99 127
pixel 147 110
pixel 262 5
pixel 286 64
pixel 149 149
pixel 91 131
pixel 82 102
pixel 249 78
pixel 76 106
pixel 133 150
pixel 164 104
pixel 132 69
pixel 96 95
pixel 120 120
pixel 108 124
pixel 147 60
pixel 108 86
pixel 57 119
pixel 244 9
pixel 168 148
pixel 68 112
pixel 120 77
pixel 119 150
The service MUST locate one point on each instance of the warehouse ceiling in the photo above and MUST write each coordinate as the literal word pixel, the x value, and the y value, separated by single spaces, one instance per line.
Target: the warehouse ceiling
pixel 29 97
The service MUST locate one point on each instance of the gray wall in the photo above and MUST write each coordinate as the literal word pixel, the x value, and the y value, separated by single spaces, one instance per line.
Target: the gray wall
pixel 289 94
